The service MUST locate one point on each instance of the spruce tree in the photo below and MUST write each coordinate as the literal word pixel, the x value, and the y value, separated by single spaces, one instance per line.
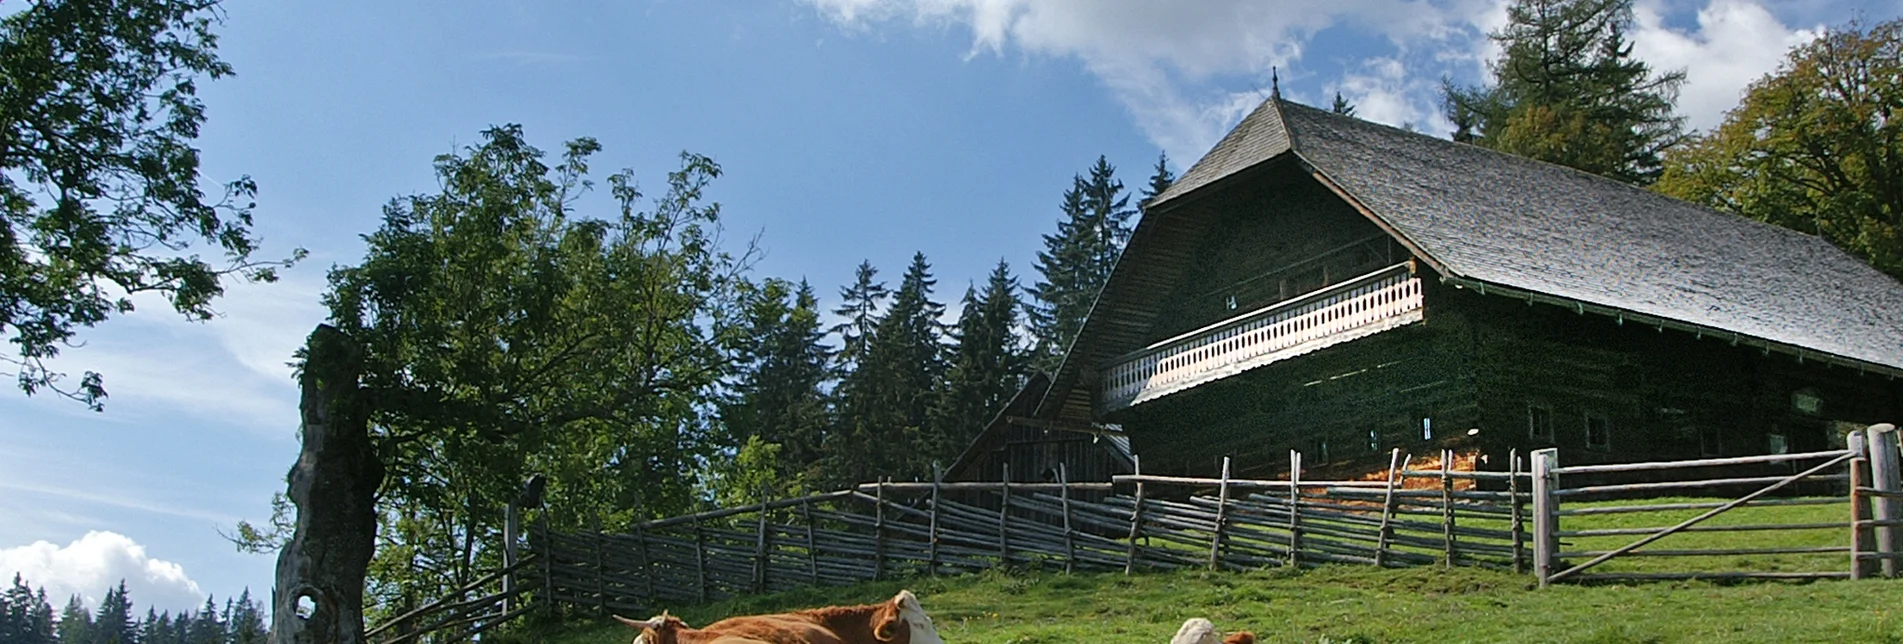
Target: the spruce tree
pixel 244 621
pixel 1567 90
pixel 1342 106
pixel 75 623
pixel 203 628
pixel 891 390
pixel 987 364
pixel 114 624
pixel 859 310
pixel 1077 260
pixel 1160 179
pixel 156 628
pixel 780 397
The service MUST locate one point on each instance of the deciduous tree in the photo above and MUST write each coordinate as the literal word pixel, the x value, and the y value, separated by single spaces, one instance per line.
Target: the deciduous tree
pixel 99 180
pixel 1816 146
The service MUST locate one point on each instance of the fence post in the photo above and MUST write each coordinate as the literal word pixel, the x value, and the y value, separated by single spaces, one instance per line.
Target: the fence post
pixel 601 582
pixel 1004 519
pixel 647 563
pixel 931 560
pixel 1136 519
pixel 1886 476
pixel 1545 513
pixel 878 534
pixel 812 547
pixel 1222 516
pixel 1516 526
pixel 760 547
pixel 548 564
pixel 700 560
pixel 1070 541
pixel 511 524
pixel 1859 479
pixel 1447 505
pixel 1294 508
pixel 1395 466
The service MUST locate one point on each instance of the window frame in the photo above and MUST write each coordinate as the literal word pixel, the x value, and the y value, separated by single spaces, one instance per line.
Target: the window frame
pixel 1605 421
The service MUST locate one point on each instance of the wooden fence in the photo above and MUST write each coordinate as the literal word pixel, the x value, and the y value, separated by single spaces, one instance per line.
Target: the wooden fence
pixel 1417 513
pixel 1850 530
pixel 1429 516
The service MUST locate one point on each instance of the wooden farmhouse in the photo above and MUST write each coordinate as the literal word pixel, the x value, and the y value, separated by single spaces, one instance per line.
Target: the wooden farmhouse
pixel 1322 283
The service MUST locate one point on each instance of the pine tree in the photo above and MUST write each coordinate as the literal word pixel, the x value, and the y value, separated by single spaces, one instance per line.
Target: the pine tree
pixel 1077 260
pixel 987 364
pixel 35 616
pixel 75 623
pixel 1342 106
pixel 114 624
pixel 1568 91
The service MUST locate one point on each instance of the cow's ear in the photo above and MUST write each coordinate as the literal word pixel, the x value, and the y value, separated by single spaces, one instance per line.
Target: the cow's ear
pixel 885 622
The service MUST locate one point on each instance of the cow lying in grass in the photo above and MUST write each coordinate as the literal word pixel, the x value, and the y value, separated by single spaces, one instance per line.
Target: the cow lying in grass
pixel 900 620
pixel 1197 630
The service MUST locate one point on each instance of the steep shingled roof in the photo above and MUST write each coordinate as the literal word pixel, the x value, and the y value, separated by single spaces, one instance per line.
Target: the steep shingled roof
pixel 1489 220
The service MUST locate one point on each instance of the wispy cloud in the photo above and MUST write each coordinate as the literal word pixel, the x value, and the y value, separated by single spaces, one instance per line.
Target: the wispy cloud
pixel 230 371
pixel 1188 71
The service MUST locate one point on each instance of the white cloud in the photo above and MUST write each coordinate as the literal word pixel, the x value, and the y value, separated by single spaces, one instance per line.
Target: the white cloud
pixel 1382 91
pixel 1736 42
pixel 97 562
pixel 1185 73
pixel 232 370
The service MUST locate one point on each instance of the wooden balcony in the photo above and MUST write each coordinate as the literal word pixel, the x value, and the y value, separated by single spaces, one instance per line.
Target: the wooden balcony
pixel 1376 302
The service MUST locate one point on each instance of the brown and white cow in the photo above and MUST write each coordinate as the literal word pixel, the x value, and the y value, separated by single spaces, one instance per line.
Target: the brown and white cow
pixel 1197 630
pixel 900 620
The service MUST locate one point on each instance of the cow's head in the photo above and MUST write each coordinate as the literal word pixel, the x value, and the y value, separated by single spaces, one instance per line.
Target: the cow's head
pixel 901 620
pixel 660 629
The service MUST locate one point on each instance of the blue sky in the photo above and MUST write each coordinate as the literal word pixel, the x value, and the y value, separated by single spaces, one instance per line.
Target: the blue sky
pixel 848 129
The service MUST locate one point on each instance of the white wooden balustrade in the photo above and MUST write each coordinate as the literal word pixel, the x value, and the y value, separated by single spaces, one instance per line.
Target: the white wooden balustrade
pixel 1376 302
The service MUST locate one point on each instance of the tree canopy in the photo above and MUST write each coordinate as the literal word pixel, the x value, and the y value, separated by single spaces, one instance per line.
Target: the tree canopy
pixel 1567 90
pixel 99 183
pixel 1815 146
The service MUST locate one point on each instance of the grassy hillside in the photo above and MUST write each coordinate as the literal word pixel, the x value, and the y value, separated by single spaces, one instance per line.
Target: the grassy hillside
pixel 1367 605
pixel 1349 604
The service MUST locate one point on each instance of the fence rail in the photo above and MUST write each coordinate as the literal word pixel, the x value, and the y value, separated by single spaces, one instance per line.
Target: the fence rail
pixel 1422 512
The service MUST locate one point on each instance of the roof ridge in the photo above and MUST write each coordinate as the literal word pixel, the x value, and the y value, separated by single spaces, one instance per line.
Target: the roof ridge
pixel 1763 225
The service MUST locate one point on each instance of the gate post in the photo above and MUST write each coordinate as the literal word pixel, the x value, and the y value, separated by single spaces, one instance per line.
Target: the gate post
pixel 1859 502
pixel 1886 476
pixel 1545 513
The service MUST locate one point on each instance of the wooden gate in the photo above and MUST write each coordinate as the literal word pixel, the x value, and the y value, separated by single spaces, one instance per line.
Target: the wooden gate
pixel 1839 539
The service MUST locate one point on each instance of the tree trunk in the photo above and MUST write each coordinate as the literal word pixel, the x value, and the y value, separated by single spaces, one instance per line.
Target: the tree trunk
pixel 334 486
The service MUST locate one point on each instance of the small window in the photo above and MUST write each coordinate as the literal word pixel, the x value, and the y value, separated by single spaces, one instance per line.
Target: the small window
pixel 1708 442
pixel 1539 423
pixel 1806 401
pixel 1374 440
pixel 1427 428
pixel 1598 433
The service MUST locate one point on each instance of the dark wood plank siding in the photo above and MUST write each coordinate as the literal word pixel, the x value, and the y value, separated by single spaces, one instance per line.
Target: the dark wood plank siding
pixel 1267 241
pixel 1325 404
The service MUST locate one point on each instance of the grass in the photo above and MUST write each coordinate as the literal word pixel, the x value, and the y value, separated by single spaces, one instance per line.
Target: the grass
pixel 1365 605
pixel 1348 604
